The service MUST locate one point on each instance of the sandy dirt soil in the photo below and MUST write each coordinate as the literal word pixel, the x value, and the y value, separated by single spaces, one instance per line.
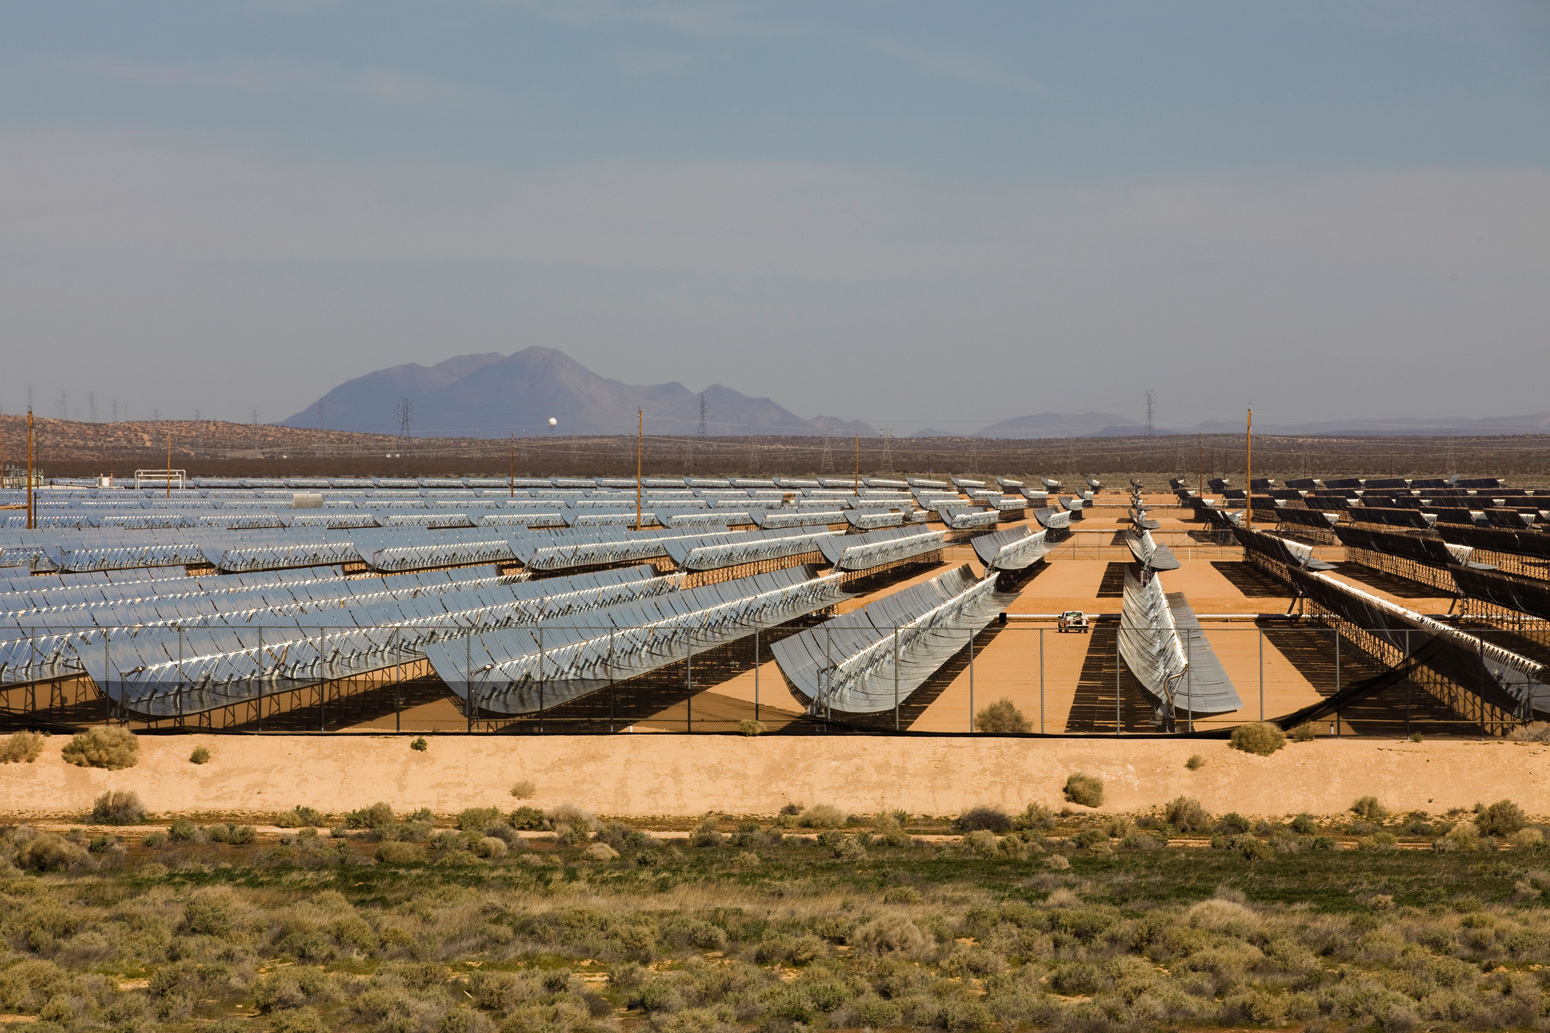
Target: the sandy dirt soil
pixel 645 775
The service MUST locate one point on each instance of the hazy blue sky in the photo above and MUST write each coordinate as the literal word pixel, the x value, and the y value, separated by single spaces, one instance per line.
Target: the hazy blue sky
pixel 918 214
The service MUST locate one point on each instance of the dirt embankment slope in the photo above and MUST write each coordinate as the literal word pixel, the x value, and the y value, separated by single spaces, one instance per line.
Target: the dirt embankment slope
pixel 644 775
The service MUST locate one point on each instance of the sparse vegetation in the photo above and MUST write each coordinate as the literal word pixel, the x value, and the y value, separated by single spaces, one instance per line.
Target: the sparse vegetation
pixel 1084 789
pixel 1305 732
pixel 1501 818
pixel 300 817
pixel 751 727
pixel 1099 928
pixel 111 748
pixel 1258 737
pixel 821 816
pixel 1537 731
pixel 420 744
pixel 116 807
pixel 1369 809
pixel 1195 762
pixel 1001 718
pixel 983 817
pixel 524 789
pixel 21 747
pixel 1185 814
pixel 199 756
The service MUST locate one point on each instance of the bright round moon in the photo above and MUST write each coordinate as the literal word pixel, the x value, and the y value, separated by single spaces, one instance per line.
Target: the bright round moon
pixel 553 421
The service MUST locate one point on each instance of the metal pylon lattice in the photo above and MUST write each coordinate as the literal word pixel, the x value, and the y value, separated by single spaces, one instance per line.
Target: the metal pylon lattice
pixel 702 432
pixel 886 463
pixel 826 465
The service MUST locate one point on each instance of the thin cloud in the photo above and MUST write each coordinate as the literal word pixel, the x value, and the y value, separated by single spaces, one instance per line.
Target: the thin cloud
pixel 969 68
pixel 654 62
pixel 267 77
pixel 706 19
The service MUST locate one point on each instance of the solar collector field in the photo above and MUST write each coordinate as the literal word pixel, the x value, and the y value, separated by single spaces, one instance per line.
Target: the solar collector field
pixel 386 580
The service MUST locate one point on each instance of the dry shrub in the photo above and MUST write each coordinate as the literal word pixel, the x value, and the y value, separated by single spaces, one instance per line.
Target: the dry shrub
pixel 751 727
pixel 1001 718
pixel 890 934
pixel 1502 818
pixel 395 852
pixel 21 747
pixel 116 807
pixel 1538 731
pixel 301 817
pixel 1258 737
pixel 491 847
pixel 1368 808
pixel 477 819
pixel 1185 814
pixel 377 816
pixel 984 816
pixel 1057 862
pixel 821 816
pixel 568 815
pixel 111 748
pixel 1195 762
pixel 1084 789
pixel 1305 732
pixel 49 853
pixel 524 789
pixel 199 756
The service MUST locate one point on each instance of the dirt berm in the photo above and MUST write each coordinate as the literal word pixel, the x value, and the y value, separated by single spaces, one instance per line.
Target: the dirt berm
pixel 645 775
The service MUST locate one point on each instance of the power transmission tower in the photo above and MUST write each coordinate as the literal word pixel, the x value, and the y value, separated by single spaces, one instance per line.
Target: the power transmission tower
pixel 753 454
pixel 702 432
pixel 91 405
pixel 405 417
pixel 255 430
pixel 887 460
pixel 827 464
pixel 1151 408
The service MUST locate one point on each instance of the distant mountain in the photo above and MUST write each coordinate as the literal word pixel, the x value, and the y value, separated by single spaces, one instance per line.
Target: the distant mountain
pixel 494 395
pixel 842 428
pixel 1062 425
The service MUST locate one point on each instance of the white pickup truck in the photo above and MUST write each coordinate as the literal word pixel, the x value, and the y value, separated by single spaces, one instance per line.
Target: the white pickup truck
pixel 1071 620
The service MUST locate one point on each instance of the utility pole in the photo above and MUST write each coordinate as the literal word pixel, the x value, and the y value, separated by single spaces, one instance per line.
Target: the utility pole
pixel 31 502
pixel 858 465
pixel 1151 402
pixel 1248 488
pixel 826 464
pixel 640 444
pixel 887 463
pixel 1200 465
pixel 512 483
pixel 169 462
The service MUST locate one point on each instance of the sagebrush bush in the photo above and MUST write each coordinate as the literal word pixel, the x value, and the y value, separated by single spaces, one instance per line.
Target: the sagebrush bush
pixel 117 807
pixel 1501 818
pixel 111 748
pixel 984 816
pixel 199 756
pixel 377 816
pixel 1185 814
pixel 1258 737
pixel 420 744
pixel 21 747
pixel 1001 718
pixel 527 818
pixel 1305 732
pixel 1084 789
pixel 301 817
pixel 1195 762
pixel 477 819
pixel 1537 731
pixel 1369 808
pixel 751 727
pixel 524 789
pixel 821 816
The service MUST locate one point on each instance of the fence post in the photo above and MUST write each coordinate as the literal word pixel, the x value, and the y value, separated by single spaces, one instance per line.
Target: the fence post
pixel 468 680
pixel 1337 680
pixel 260 659
pixel 107 676
pixel 398 687
pixel 1261 674
pixel 611 689
pixel 756 672
pixel 689 687
pixel 540 679
pixel 1041 681
pixel 1118 630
